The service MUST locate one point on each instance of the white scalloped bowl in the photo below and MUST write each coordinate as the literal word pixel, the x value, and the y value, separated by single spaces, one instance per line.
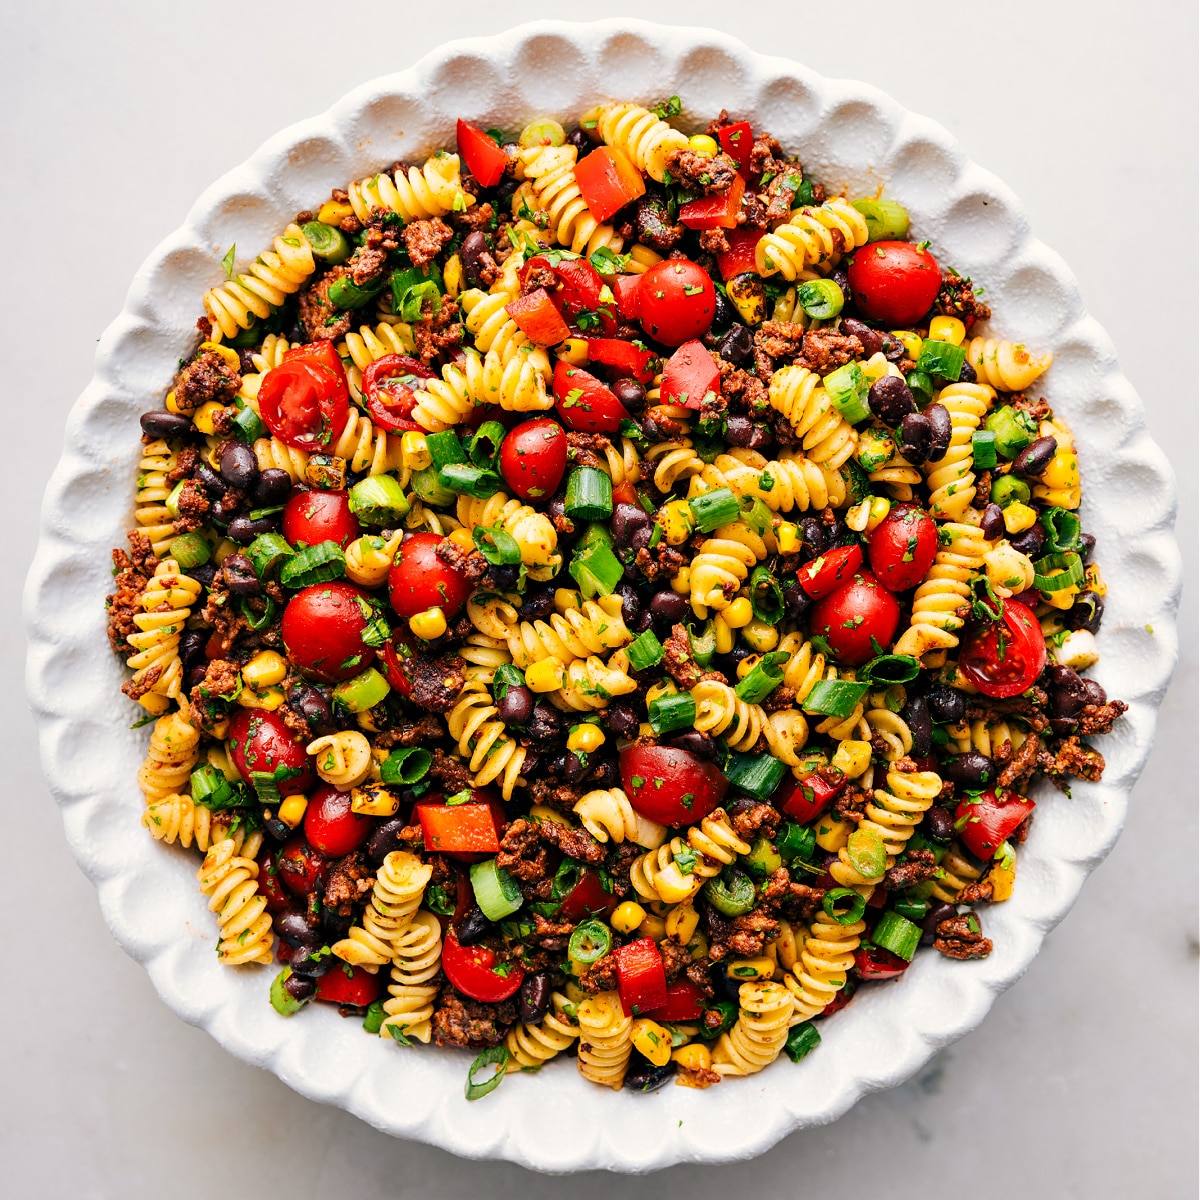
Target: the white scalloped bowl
pixel 850 136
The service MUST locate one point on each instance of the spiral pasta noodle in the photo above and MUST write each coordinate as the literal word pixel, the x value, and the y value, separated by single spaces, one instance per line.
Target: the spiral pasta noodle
pixel 417 960
pixel 952 479
pixel 174 750
pixel 759 1034
pixel 230 882
pixel 342 759
pixel 496 332
pixel 431 190
pixel 804 667
pixel 811 237
pixel 515 385
pixel 590 683
pixel 644 138
pixel 790 482
pixel 475 725
pixel 1007 366
pixel 671 462
pixel 827 438
pixel 671 876
pixel 721 713
pixel 551 171
pixel 236 304
pixel 956 873
pixel 532 531
pixel 721 565
pixel 605 1039
pixel 622 463
pixel 605 813
pixel 898 476
pixel 987 737
pixel 166 602
pixel 892 730
pixel 786 732
pixel 595 627
pixel 529 1046
pixel 156 520
pixel 820 973
pixel 367 345
pixel 396 896
pixel 492 614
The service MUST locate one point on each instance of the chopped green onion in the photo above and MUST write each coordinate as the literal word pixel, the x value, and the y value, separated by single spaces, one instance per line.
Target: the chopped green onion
pixel 1061 525
pixel 898 935
pixel 496 891
pixel 190 550
pixel 1012 436
pixel 284 1004
pixel 411 287
pixel 796 841
pixel 912 909
pixel 835 898
pixel 266 786
pixel 247 426
pixel 802 1040
pixel 428 487
pixel 496 1056
pixel 866 853
pixel 589 495
pixel 834 697
pixel 566 879
pixel 597 570
pixel 847 388
pixel 672 712
pixel 763 679
pixel 445 448
pixel 921 386
pixel 983 449
pixel 373 1018
pixel 1070 567
pixel 889 669
pixel 344 293
pixel 758 774
pixel 328 242
pixel 1008 489
pixel 764 858
pixel 362 692
pixel 172 500
pixel 886 220
pixel 821 299
pixel 379 500
pixel 259 621
pixel 941 359
pixel 732 893
pixel 590 941
pixel 755 514
pixel 645 651
pixel 268 551
pixel 484 448
pixel 212 789
pixel 405 766
pixel 497 545
pixel 257 514
pixel 314 564
pixel 766 596
pixel 467 480
pixel 703 644
pixel 729 1015
pixel 714 509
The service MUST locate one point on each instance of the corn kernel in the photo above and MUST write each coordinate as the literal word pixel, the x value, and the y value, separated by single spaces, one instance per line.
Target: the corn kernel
pixel 947 329
pixel 415 450
pixel 910 341
pixel 739 614
pixel 748 664
pixel 653 927
pixel 627 917
pixel 682 583
pixel 702 144
pixel 463 539
pixel 170 403
pixel 264 669
pixel 267 699
pixel 788 537
pixel 1063 599
pixel 1002 880
pixel 545 675
pixel 374 800
pixel 722 634
pixel 202 418
pixel 1018 517
pixel 677 522
pixel 565 599
pixel 876 367
pixel 291 811
pixel 652 1041
pixel 833 834
pixel 1063 471
pixel 429 624
pixel 852 758
pixel 693 1057
pixel 452 276
pixel 880 507
pixel 681 923
pixel 333 211
pixel 1094 581
pixel 587 738
pixel 746 969
pixel 760 636
pixel 574 351
pixel 646 730
pixel 698 946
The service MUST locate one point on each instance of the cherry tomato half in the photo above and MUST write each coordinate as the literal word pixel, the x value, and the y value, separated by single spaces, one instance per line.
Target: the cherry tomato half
pixel 894 282
pixel 343 984
pixel 685 1002
pixel 678 302
pixel 261 741
pixel 419 580
pixel 858 620
pixel 873 962
pixel 903 547
pixel 691 376
pixel 806 799
pixel 482 156
pixel 390 387
pixel 583 403
pixel 669 785
pixel 1006 657
pixel 472 970
pixel 827 572
pixel 533 458
pixel 304 403
pixel 310 518
pixel 987 821
pixel 300 866
pixel 331 826
pixel 270 882
pixel 322 629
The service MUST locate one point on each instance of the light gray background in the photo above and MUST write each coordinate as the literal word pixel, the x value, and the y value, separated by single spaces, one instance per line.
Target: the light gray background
pixel 115 116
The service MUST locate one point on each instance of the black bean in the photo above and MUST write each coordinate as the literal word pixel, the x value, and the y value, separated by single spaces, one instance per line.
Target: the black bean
pixel 630 393
pixel 1030 542
pixel 240 576
pixel 655 227
pixel 334 926
pixel 725 987
pixel 605 774
pixel 238 465
pixel 295 929
pixel 628 519
pixel 537 607
pixel 891 400
pixel 516 707
pixel 991 524
pixel 203 575
pixel 272 488
pixel 544 724
pixel 813 533
pixel 1095 692
pixel 916 437
pixel 736 345
pixel 580 140
pixel 573 767
pixel 196 676
pixel 300 987
pixel 472 927
pixel 970 770
pixel 644 1076
pixel 967 374
pixel 645 621
pixel 639 541
pixel 738 430
pixel 214 486
pixel 669 607
pixel 841 277
pixel 893 348
pixel 307 702
pixel 1067 704
pixel 724 314
pixel 1035 458
pixel 920 724
pixel 384 840
pixel 939 824
pixel 1063 726
pixel 795 598
pixel 939 420
pixel 629 603
pixel 534 998
pixel 935 916
pixel 191 647
pixel 1087 545
pixel 872 342
pixel 311 961
pixel 474 247
pixel 162 424
pixel 1065 679
pixel 699 744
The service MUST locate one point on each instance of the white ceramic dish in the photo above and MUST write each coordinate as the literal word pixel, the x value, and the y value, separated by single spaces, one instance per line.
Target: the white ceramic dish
pixel 849 135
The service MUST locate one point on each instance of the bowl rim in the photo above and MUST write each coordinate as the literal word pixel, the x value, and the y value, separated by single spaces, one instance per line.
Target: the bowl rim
pixel 887 1051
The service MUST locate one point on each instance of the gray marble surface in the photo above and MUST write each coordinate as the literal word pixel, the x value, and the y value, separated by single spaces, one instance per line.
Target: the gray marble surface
pixel 1082 1081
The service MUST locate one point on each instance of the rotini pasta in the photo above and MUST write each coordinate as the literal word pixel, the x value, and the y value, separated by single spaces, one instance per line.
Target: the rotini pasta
pixel 791 482
pixel 156 520
pixel 532 531
pixel 952 479
pixel 495 332
pixel 166 603
pixel 236 304
pixel 417 957
pixel 174 751
pixel 342 759
pixel 431 190
pixel 551 171
pixel 1007 366
pixel 493 755
pixel 593 628
pixel 530 1046
pixel 720 713
pixel 605 1040
pixel 396 896
pixel 827 438
pixel 759 1034
pixel 230 882
pixel 645 139
pixel 811 237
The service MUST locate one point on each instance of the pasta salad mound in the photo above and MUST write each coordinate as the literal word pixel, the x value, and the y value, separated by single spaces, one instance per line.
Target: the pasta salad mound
pixel 598 594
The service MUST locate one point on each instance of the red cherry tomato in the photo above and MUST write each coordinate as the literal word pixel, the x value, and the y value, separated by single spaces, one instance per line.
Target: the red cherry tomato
pixel 691 375
pixel 806 799
pixel 986 822
pixel 343 984
pixel 300 867
pixel 678 301
pixel 894 282
pixel 902 548
pixel 858 621
pixel 538 319
pixel 669 785
pixel 322 630
pixel 533 458
pixel 304 403
pixel 581 289
pixel 827 572
pixel 685 1002
pixel 629 301
pixel 395 657
pixel 388 388
pixel 472 970
pixel 270 882
pixel 587 898
pixel 623 358
pixel 310 518
pixel 419 580
pixel 331 826
pixel 608 181
pixel 1005 658
pixel 484 159
pixel 583 403
pixel 261 741
pixel 873 962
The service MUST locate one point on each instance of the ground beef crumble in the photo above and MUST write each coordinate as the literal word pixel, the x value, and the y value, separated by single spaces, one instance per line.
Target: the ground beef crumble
pixel 425 239
pixel 460 1022
pixel 919 866
pixel 699 174
pixel 436 682
pixel 522 853
pixel 207 377
pixel 960 937
pixel 351 880
pixel 133 570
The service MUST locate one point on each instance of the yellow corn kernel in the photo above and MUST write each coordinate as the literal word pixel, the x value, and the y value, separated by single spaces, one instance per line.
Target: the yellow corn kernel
pixel 947 329
pixel 739 614
pixel 698 946
pixel 588 738
pixel 333 211
pixel 788 537
pixel 1002 880
pixel 681 923
pixel 833 834
pixel 228 353
pixel 565 600
pixel 1063 471
pixel 852 758
pixel 760 636
pixel 452 276
pixel 545 675
pixel 693 1057
pixel 292 809
pixel 910 341
pixel 429 624
pixel 574 351
pixel 202 418
pixel 415 450
pixel 268 699
pixel 170 403
pixel 748 664
pixel 627 917
pixel 264 669
pixel 652 1041
pixel 653 927
pixel 462 539
pixel 722 634
pixel 1018 517
pixel 1062 599
pixel 677 522
pixel 746 969
pixel 646 730
pixel 374 800
pixel 702 144
pixel 682 583
pixel 880 507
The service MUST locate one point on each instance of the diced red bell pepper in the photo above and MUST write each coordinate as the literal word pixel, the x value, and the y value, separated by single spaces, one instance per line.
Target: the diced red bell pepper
pixel 877 899
pixel 715 212
pixel 582 295
pixel 873 962
pixel 736 140
pixel 739 258
pixel 685 1002
pixel 690 375
pixel 641 977
pixel 343 984
pixel 270 886
pixel 625 493
pixel 623 357
pixel 484 159
pixel 538 319
pixel 461 829
pixel 629 303
pixel 583 402
pixel 808 798
pixel 587 898
pixel 986 822
pixel 608 181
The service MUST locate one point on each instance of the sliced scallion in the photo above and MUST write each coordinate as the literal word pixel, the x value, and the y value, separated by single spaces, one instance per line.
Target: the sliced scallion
pixel 484 448
pixel 1011 435
pixel 190 550
pixel 821 299
pixel 1008 489
pixel 314 564
pixel 889 669
pixel 844 905
pixel 672 712
pixel 493 1056
pixel 645 651
pixel 590 941
pixel 941 359
pixel 597 570
pixel 1067 568
pixel 445 448
pixel 866 853
pixel 802 1040
pixel 589 495
pixel 714 509
pixel 764 858
pixel 496 891
pixel 755 513
pixel 757 774
pixel 212 789
pixel 847 388
pixel 465 479
pixel 344 293
pixel 732 893
pixel 374 1016
pixel 763 679
pixel 911 908
pixel 796 841
pixel 247 426
pixel 405 765
pixel 1062 530
pixel 328 242
pixel 898 935
pixel 766 596
pixel 268 551
pixel 497 545
pixel 362 692
pixel 427 487
pixel 983 449
pixel 172 500
pixel 834 697
pixel 379 500
pixel 921 386
pixel 886 220
pixel 260 619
